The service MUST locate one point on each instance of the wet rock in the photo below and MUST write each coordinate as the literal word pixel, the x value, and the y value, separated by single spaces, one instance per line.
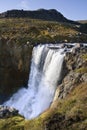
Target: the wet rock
pixel 6 112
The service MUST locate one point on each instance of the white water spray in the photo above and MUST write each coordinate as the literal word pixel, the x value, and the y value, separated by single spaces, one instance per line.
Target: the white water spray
pixel 44 76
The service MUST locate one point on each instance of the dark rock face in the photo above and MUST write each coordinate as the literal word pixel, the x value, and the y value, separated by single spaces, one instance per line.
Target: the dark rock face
pixel 61 122
pixel 54 122
pixel 49 15
pixel 14 67
pixel 6 112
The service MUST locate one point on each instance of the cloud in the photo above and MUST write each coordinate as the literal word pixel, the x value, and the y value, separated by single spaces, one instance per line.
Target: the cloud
pixel 24 4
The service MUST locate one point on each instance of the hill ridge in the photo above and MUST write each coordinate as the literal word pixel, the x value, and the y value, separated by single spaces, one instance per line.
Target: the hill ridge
pixel 43 14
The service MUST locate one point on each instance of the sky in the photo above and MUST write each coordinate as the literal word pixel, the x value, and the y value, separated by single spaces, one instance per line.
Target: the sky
pixel 71 9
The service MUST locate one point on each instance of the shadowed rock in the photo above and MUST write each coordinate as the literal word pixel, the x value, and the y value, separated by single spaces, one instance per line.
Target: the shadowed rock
pixel 6 112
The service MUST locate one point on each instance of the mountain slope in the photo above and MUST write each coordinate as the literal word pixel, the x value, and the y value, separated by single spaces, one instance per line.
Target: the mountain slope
pixel 21 30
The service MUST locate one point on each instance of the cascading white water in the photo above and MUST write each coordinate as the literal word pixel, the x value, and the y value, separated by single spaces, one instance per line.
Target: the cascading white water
pixel 44 76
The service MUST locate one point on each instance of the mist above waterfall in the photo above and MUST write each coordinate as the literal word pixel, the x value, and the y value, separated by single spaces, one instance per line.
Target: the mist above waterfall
pixel 44 76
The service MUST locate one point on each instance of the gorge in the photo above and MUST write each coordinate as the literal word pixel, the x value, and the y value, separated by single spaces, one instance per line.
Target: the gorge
pixel 44 77
pixel 62 70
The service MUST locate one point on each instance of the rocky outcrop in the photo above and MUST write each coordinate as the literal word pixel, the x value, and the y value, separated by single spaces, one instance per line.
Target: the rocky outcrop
pixel 68 110
pixel 14 67
pixel 6 112
pixel 75 66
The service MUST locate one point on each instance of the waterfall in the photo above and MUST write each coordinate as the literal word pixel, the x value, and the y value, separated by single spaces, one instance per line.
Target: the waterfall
pixel 44 76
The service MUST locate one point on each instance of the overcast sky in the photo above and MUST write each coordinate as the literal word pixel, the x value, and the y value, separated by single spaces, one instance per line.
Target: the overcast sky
pixel 72 9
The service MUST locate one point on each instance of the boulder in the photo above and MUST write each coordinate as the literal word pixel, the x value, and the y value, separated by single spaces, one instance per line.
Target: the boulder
pixel 6 112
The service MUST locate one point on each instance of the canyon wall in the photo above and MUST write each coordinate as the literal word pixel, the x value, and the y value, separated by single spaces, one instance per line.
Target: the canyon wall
pixel 14 67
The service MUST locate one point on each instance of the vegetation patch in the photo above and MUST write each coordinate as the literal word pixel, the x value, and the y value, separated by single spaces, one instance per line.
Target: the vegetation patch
pixel 22 30
pixel 82 70
pixel 84 57
pixel 13 123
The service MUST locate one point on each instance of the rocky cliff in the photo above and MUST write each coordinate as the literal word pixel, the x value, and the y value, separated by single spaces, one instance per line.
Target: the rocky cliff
pixel 14 67
pixel 75 71
pixel 69 108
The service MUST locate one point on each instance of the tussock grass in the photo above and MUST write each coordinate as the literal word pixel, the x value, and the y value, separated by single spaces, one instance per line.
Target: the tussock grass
pixel 22 30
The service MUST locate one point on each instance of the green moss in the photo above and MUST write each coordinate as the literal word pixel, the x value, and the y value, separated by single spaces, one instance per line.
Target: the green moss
pixel 67 105
pixel 81 70
pixel 84 57
pixel 14 123
pixel 35 124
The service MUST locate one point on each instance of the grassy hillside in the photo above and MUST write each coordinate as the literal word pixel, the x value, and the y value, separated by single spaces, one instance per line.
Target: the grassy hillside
pixel 35 31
